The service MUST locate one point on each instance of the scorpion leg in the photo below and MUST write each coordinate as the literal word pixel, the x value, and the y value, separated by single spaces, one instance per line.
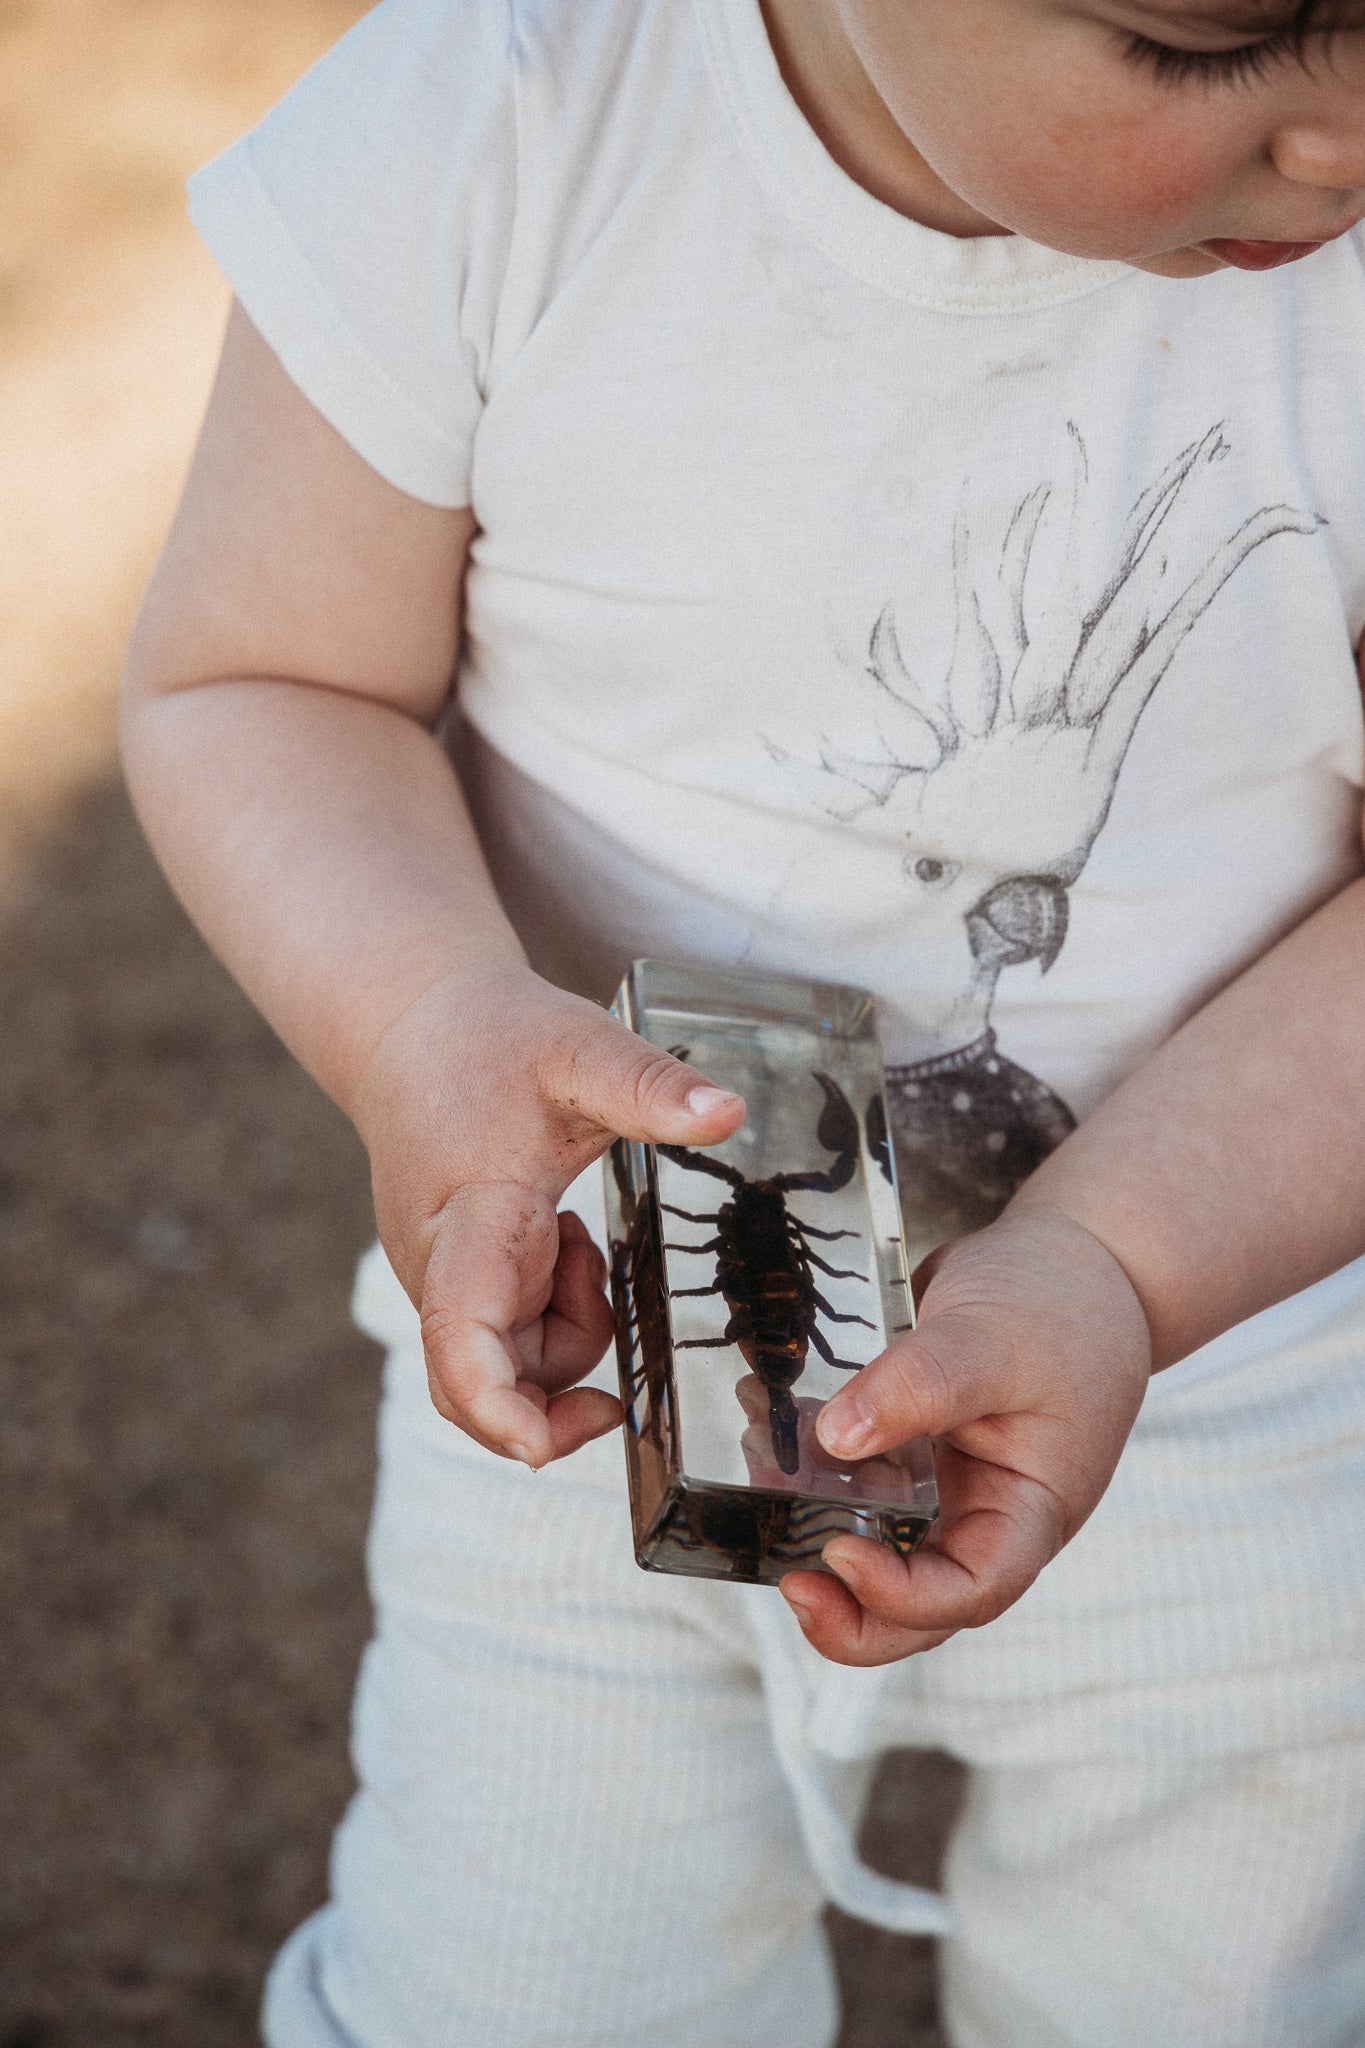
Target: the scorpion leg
pixel 688 1215
pixel 821 1345
pixel 708 1343
pixel 713 1244
pixel 825 1236
pixel 697 1162
pixel 682 1293
pixel 835 1316
pixel 837 1131
pixel 835 1272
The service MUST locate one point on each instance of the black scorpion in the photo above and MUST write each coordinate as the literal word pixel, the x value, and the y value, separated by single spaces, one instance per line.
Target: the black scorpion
pixel 764 1265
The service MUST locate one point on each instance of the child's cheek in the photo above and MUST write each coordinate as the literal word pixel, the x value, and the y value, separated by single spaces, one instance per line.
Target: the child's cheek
pixel 1116 188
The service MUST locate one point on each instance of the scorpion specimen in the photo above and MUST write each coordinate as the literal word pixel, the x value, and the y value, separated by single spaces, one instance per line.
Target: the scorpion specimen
pixel 764 1267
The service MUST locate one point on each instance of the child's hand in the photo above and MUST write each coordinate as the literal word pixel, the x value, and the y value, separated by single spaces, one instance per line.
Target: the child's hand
pixel 1028 1366
pixel 481 1104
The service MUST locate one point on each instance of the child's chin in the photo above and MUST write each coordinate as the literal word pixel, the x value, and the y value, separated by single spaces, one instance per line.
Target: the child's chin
pixel 1177 263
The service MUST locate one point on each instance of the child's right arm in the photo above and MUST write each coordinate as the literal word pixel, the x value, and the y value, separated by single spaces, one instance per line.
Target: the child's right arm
pixel 294 653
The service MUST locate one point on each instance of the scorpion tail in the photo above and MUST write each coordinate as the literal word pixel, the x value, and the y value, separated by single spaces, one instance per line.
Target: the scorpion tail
pixel 837 1131
pixel 878 1136
pixel 782 1416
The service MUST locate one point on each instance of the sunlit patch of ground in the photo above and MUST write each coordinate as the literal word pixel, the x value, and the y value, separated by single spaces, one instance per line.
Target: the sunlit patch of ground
pixel 109 319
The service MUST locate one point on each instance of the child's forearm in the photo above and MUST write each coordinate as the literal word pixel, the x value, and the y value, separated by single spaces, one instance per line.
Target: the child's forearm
pixel 321 843
pixel 307 816
pixel 1229 1170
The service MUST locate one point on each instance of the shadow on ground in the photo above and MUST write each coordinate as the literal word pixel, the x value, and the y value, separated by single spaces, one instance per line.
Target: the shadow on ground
pixel 185 1466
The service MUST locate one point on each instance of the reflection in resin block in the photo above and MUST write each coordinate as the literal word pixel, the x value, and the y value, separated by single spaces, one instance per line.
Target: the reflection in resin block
pixel 752 1278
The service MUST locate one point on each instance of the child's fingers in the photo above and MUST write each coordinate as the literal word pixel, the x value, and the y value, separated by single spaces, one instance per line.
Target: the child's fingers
pixel 474 1385
pixel 950 1372
pixel 997 1531
pixel 626 1085
pixel 578 1327
pixel 489 1271
pixel 835 1624
pixel 498 1369
pixel 578 1324
pixel 579 1415
pixel 575 1417
pixel 979 1568
pixel 567 1421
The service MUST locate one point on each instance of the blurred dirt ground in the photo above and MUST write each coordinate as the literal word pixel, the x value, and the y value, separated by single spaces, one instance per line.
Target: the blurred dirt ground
pixel 186 1415
pixel 186 1446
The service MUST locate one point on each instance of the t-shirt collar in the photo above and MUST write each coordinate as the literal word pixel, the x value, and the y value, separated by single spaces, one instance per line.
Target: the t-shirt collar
pixel 944 273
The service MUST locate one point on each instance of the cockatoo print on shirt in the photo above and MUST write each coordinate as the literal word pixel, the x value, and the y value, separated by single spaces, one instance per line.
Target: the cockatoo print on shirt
pixel 996 784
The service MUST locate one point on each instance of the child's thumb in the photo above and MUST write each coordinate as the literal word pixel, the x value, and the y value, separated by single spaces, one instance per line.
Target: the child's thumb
pixel 638 1090
pixel 952 1370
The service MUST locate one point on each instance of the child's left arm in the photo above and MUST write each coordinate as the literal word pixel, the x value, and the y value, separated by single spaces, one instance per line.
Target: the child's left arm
pixel 1225 1174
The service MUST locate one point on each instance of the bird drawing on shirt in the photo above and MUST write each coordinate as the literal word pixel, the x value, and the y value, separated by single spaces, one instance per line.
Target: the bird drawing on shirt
pixel 992 786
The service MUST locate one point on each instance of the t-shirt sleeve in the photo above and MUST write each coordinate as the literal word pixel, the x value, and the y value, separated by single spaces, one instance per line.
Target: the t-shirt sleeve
pixel 364 225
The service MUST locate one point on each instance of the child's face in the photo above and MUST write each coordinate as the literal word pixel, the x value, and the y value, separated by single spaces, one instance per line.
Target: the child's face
pixel 1177 135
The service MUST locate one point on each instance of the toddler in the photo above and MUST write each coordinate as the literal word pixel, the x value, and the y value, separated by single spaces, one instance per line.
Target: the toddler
pixel 884 483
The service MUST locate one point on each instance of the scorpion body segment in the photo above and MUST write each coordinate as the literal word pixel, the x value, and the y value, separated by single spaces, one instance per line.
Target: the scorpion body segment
pixel 766 1267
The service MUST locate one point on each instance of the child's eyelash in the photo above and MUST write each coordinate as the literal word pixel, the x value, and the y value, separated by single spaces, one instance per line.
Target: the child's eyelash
pixel 1242 66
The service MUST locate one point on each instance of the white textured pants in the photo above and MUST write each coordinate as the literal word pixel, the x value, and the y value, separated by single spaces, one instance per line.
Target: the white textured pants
pixel 574 1828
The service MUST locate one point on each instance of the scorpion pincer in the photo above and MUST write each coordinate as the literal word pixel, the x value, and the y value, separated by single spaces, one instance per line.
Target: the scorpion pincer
pixel 765 1267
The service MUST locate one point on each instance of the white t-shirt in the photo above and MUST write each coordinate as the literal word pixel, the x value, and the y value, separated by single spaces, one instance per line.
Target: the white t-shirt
pixel 957 618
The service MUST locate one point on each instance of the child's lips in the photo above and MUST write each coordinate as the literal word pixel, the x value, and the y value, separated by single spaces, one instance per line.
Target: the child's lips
pixel 1259 255
pixel 1269 255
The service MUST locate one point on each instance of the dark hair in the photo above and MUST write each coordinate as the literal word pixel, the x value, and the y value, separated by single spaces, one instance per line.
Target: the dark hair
pixel 1311 16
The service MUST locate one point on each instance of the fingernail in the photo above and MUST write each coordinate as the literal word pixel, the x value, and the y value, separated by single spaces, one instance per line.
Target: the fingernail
pixel 840 1570
pixel 804 1613
pixel 845 1426
pixel 522 1451
pixel 703 1102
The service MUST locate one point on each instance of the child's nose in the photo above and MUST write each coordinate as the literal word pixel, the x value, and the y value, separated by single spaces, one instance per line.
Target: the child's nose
pixel 1329 155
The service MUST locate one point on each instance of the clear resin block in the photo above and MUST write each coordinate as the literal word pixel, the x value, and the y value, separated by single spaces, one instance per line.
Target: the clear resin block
pixel 752 1278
